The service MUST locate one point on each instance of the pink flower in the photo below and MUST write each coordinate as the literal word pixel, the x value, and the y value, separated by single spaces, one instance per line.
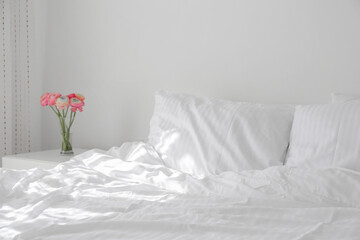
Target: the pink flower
pixel 52 98
pixel 70 96
pixel 77 95
pixel 62 103
pixel 76 104
pixel 74 109
pixel 44 99
pixel 80 96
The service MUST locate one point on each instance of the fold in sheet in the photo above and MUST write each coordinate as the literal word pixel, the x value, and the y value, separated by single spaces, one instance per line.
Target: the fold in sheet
pixel 128 193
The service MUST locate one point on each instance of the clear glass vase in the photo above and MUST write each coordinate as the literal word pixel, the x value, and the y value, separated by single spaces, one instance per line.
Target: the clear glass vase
pixel 66 143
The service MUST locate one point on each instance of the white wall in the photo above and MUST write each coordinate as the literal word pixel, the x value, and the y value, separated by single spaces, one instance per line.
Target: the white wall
pixel 37 33
pixel 117 53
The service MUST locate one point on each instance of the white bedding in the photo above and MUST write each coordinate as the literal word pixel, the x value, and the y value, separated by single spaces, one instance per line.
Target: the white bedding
pixel 127 193
pixel 204 136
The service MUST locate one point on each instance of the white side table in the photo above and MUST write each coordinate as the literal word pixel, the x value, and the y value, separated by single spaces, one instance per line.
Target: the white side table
pixel 45 159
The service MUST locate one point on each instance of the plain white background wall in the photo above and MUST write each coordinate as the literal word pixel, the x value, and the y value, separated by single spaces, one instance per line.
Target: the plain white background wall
pixel 117 53
pixel 38 24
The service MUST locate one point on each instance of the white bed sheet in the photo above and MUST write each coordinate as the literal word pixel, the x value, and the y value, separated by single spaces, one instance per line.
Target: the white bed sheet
pixel 127 193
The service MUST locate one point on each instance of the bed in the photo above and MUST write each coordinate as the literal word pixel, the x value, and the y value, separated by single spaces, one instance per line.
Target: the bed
pixel 142 191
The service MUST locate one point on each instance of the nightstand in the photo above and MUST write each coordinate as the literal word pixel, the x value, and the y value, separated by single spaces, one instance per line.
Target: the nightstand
pixel 44 159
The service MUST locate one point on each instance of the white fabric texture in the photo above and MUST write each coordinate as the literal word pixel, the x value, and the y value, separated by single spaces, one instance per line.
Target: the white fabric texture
pixel 15 87
pixel 341 97
pixel 325 136
pixel 209 136
pixel 127 193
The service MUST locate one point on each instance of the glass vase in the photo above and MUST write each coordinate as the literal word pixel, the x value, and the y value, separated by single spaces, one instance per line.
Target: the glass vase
pixel 66 143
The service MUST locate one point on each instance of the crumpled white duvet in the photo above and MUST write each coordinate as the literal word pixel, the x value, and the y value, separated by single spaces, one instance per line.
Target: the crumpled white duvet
pixel 128 193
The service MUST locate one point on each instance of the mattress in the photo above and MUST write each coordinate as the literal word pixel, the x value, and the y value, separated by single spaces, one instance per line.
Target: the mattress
pixel 129 193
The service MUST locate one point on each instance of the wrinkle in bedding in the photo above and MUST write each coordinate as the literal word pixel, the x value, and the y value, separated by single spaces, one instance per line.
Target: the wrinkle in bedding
pixel 128 193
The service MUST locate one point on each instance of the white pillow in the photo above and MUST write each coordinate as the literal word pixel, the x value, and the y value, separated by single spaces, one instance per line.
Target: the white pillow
pixel 326 136
pixel 340 97
pixel 209 136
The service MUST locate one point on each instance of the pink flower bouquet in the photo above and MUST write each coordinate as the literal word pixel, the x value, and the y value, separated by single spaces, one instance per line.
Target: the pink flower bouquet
pixel 60 105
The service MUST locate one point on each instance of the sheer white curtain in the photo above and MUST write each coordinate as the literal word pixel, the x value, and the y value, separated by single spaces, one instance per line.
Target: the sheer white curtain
pixel 15 86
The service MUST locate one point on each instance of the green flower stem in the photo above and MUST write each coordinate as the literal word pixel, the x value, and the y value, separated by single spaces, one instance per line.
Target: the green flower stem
pixel 65 129
pixel 72 118
pixel 52 108
pixel 67 110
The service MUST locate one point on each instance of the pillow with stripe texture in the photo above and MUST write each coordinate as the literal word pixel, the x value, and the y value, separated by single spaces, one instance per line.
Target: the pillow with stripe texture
pixel 325 136
pixel 340 97
pixel 203 136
